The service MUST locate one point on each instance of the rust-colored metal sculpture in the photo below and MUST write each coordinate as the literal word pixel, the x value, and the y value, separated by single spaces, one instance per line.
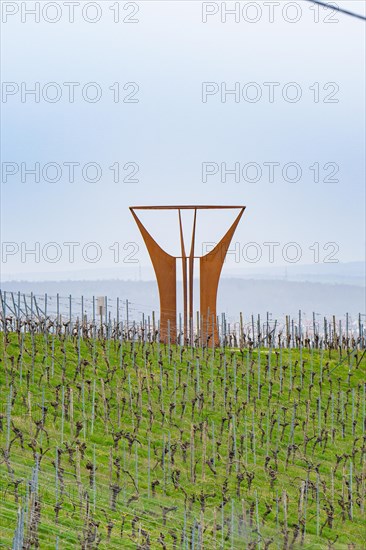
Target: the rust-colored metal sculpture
pixel 165 270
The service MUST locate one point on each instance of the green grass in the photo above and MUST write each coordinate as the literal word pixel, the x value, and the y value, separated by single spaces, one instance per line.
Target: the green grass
pixel 234 457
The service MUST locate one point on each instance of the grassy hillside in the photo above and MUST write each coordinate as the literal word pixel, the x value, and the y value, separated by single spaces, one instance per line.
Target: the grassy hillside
pixel 141 446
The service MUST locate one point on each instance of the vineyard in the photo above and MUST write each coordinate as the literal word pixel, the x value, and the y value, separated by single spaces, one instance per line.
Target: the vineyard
pixel 118 441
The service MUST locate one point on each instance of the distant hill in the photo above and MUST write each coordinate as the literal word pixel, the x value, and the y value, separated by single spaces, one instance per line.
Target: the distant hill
pixel 279 297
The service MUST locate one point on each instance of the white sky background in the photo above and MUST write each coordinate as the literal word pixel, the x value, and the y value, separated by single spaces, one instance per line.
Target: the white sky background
pixel 170 132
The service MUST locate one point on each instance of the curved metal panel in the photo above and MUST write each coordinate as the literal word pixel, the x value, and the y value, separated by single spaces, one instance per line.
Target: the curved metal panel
pixel 165 270
pixel 210 270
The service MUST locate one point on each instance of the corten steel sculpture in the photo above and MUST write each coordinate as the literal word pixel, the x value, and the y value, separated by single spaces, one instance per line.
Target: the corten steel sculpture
pixel 165 270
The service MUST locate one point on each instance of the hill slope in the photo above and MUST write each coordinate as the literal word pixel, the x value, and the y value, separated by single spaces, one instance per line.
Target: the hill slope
pixel 141 446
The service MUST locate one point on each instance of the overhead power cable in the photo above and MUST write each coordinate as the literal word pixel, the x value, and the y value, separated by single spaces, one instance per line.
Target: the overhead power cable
pixel 337 8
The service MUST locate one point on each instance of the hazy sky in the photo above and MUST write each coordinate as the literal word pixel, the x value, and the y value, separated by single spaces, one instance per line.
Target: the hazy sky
pixel 172 123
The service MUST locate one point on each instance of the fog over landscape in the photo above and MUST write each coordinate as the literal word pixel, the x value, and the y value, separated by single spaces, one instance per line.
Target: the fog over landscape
pixel 182 275
pixel 327 289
